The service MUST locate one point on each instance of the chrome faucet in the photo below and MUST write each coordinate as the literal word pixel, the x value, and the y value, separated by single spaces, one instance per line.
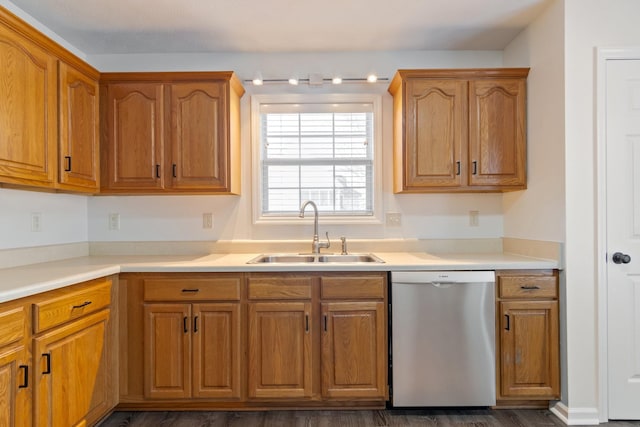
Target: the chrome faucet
pixel 316 245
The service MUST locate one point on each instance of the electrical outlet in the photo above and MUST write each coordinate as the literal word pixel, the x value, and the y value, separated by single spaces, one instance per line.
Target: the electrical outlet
pixel 474 218
pixel 207 220
pixel 36 222
pixel 394 219
pixel 114 221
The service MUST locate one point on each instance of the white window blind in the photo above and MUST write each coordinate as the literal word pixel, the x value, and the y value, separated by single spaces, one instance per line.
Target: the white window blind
pixel 319 152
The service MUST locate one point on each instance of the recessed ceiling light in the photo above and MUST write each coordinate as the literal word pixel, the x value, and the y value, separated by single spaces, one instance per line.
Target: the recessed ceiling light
pixel 257 82
pixel 336 80
pixel 372 78
pixel 293 81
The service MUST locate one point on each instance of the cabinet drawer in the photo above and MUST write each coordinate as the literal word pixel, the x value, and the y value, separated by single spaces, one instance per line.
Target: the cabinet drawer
pixel 202 289
pixel 280 288
pixel 352 287
pixel 528 287
pixel 60 309
pixel 12 322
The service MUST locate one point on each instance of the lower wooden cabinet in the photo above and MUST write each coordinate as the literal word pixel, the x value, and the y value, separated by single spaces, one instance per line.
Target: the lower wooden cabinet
pixel 15 397
pixel 192 350
pixel 354 361
pixel 253 340
pixel 280 350
pixel 528 337
pixel 71 373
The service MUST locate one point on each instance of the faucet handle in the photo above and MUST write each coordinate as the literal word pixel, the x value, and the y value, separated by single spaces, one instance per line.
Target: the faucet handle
pixel 326 244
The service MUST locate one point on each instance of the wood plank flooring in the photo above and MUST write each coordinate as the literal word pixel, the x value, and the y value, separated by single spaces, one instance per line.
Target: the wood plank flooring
pixel 439 418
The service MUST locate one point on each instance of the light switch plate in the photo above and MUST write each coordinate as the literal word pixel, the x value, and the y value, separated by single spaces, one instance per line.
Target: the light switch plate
pixel 394 219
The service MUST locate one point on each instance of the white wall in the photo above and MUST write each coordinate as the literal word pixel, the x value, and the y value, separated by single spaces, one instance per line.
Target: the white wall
pixel 64 218
pixel 180 217
pixel 538 213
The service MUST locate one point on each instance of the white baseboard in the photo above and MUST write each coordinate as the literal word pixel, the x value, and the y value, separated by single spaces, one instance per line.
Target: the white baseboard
pixel 575 416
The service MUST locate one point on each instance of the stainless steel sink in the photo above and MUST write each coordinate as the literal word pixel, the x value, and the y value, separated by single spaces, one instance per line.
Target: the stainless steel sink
pixel 304 258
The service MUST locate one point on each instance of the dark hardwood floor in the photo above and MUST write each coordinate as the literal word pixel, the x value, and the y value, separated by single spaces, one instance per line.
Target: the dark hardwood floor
pixel 440 418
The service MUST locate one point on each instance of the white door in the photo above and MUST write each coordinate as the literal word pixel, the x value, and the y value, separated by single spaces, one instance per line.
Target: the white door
pixel 623 236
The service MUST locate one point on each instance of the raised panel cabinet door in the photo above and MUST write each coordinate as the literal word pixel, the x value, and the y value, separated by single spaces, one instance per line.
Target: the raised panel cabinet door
pixel 280 358
pixel 79 142
pixel 167 351
pixel 529 344
pixel 135 136
pixel 15 388
pixel 199 136
pixel 216 350
pixel 28 112
pixel 497 132
pixel 72 373
pixel 435 126
pixel 354 350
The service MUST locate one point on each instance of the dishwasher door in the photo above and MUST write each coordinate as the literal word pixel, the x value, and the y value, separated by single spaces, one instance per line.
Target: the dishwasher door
pixel 443 338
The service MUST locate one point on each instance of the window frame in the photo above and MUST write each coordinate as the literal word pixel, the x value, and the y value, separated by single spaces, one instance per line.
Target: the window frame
pixel 256 163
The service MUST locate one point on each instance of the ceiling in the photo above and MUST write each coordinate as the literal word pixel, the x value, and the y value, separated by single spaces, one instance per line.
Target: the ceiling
pixel 196 26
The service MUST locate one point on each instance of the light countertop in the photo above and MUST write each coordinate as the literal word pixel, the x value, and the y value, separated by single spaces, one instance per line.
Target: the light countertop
pixel 18 282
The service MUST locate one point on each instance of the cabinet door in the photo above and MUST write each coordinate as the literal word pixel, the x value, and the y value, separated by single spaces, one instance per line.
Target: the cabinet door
pixel 15 388
pixel 199 138
pixel 216 350
pixel 79 144
pixel 71 373
pixel 529 349
pixel 354 350
pixel 167 351
pixel 497 147
pixel 280 361
pixel 135 136
pixel 28 111
pixel 435 126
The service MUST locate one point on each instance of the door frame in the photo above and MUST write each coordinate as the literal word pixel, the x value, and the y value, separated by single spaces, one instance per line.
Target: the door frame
pixel 602 56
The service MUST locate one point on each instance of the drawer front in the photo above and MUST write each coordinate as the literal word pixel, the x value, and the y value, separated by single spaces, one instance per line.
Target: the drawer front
pixel 352 287
pixel 60 309
pixel 201 289
pixel 280 287
pixel 12 322
pixel 528 287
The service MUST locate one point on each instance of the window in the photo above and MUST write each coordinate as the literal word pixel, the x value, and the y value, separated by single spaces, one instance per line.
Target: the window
pixel 320 150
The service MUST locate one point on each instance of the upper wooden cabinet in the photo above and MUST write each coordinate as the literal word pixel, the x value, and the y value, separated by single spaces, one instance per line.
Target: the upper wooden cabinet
pixel 171 132
pixel 28 111
pixel 78 160
pixel 49 112
pixel 459 130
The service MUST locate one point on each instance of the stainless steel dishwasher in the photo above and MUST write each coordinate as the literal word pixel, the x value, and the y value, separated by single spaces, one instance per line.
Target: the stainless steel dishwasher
pixel 443 338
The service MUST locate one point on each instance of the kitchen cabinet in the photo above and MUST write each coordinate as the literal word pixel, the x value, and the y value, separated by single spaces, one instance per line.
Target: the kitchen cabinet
pixel 72 351
pixel 79 141
pixel 281 320
pixel 15 380
pixel 459 130
pixel 353 340
pixel 351 343
pixel 28 131
pixel 192 348
pixel 171 132
pixel 528 344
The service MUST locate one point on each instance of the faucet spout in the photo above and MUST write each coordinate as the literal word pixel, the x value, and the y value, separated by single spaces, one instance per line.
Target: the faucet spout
pixel 316 245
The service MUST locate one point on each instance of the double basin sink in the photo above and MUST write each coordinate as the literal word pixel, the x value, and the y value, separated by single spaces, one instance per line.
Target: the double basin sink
pixel 314 258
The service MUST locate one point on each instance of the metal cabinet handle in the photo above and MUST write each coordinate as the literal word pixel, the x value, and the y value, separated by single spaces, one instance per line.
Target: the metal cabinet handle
pixel 25 380
pixel 157 171
pixel 475 167
pixel 191 290
pixel 175 170
pixel 195 324
pixel 508 325
pixel 184 324
pixel 84 304
pixel 325 323
pixel 47 370
pixel 67 167
pixel 306 322
pixel 458 168
pixel 529 287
